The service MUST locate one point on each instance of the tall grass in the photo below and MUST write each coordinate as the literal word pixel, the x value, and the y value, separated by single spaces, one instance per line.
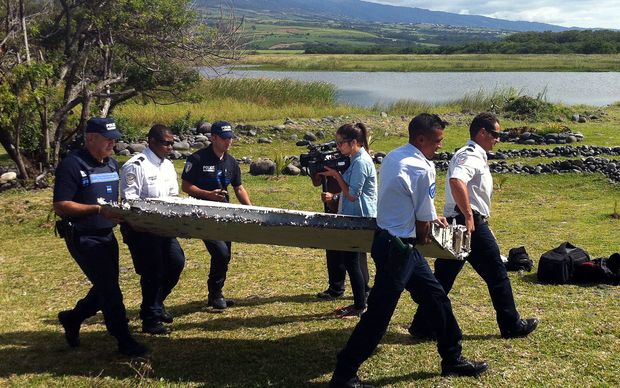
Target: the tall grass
pixel 271 92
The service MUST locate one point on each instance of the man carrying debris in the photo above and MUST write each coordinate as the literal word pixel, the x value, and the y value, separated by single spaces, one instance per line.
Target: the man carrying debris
pixel 207 174
pixel 405 211
pixel 469 186
pixel 158 260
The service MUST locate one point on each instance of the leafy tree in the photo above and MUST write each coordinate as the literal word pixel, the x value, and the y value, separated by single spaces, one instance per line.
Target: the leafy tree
pixel 64 61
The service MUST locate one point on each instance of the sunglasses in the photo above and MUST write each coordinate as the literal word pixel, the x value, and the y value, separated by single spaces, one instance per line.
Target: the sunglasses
pixel 494 134
pixel 341 142
pixel 166 143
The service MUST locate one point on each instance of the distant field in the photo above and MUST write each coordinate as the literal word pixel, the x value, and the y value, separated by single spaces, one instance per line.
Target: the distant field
pixel 457 62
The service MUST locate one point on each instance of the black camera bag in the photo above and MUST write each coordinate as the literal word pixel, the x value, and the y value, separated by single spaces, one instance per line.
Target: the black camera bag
pixel 557 266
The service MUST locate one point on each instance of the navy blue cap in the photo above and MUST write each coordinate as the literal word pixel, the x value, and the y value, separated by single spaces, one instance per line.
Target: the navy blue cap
pixel 106 127
pixel 222 129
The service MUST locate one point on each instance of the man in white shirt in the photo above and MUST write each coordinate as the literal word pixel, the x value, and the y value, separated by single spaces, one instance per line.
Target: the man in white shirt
pixel 158 260
pixel 405 211
pixel 469 186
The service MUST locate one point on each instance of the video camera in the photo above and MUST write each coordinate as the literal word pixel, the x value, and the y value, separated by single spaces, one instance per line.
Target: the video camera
pixel 321 156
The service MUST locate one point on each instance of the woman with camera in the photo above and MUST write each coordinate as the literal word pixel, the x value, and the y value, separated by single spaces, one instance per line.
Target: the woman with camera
pixel 357 198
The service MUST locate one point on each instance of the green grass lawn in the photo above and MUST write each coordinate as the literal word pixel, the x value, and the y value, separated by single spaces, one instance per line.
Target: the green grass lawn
pixel 280 335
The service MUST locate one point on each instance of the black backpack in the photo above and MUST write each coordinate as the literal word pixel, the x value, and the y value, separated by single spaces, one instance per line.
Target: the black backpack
pixel 601 270
pixel 519 260
pixel 557 266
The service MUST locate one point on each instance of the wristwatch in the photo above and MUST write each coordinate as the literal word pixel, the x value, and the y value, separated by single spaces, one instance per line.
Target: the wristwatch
pixel 336 197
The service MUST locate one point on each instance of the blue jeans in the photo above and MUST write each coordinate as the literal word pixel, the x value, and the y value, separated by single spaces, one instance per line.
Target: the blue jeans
pixel 396 273
pixel 485 259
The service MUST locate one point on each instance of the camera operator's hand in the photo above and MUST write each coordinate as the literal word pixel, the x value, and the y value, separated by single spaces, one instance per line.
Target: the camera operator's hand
pixel 329 172
pixel 327 197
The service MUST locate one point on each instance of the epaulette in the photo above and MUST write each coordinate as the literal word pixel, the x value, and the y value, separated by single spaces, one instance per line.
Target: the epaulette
pixel 139 160
pixel 470 149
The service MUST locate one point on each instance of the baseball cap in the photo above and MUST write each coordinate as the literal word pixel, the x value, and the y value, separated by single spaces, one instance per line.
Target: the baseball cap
pixel 106 127
pixel 222 129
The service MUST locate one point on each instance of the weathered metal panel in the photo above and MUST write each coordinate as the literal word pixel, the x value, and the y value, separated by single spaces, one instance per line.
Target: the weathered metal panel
pixel 207 220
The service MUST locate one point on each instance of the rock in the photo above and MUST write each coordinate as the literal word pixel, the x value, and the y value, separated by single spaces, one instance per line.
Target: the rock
pixel 264 140
pixel 120 146
pixel 175 155
pixel 310 136
pixel 384 114
pixel 201 138
pixel 582 119
pixel 181 146
pixel 263 167
pixel 529 142
pixel 136 147
pixel 575 117
pixel 320 134
pixel 203 127
pixel 289 121
pixel 290 169
pixel 294 137
pixel 124 152
pixel 279 128
pixel 571 139
pixel 8 177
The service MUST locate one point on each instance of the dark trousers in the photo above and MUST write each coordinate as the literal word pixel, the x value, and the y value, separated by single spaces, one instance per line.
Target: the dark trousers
pixel 485 259
pixel 159 261
pixel 359 283
pixel 220 252
pixel 337 271
pixel 396 273
pixel 97 255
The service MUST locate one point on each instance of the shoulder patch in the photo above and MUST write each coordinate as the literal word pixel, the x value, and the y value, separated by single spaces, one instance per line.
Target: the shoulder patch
pixel 432 189
pixel 461 159
pixel 188 166
pixel 130 178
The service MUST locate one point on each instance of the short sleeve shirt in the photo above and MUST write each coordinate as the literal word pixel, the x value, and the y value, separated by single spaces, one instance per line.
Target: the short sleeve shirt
pixel 145 175
pixel 206 171
pixel 469 164
pixel 406 191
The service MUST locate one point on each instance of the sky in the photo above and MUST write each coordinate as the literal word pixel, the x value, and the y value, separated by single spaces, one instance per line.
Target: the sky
pixel 567 13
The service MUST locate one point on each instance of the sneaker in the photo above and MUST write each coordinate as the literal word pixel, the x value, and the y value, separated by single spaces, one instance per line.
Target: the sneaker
pixel 348 312
pixel 353 382
pixel 166 316
pixel 521 329
pixel 155 328
pixel 71 326
pixel 220 303
pixel 329 295
pixel 132 348
pixel 463 367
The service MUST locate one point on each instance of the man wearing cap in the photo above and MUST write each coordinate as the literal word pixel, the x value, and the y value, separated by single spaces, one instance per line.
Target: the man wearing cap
pixel 82 178
pixel 207 174
pixel 158 260
pixel 469 186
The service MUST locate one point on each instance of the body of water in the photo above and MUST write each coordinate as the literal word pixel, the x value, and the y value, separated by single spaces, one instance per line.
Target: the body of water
pixel 369 88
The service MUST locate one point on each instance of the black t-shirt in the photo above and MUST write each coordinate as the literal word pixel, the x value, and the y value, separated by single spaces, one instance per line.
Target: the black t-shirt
pixel 82 179
pixel 206 171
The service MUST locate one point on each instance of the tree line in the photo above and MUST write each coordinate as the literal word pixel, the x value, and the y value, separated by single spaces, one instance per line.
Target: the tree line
pixel 566 42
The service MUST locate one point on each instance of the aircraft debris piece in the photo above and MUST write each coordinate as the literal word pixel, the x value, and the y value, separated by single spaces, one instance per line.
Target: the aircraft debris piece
pixel 207 220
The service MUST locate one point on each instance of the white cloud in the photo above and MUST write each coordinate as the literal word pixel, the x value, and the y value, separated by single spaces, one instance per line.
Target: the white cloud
pixel 568 13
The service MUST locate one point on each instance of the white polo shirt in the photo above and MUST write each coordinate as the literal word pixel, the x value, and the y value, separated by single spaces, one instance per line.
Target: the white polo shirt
pixel 469 164
pixel 406 191
pixel 145 175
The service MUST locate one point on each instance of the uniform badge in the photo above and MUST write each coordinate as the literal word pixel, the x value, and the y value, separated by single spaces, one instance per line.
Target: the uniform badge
pixel 432 190
pixel 130 178
pixel 208 168
pixel 188 166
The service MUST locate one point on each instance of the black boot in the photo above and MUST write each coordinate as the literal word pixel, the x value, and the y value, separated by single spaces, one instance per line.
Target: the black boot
pixel 521 329
pixel 72 327
pixel 130 347
pixel 463 367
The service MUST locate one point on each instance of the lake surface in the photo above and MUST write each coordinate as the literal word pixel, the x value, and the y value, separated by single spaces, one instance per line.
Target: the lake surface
pixel 369 88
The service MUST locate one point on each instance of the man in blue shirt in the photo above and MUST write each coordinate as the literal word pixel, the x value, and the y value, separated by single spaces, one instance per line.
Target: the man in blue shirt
pixel 82 178
pixel 405 211
pixel 207 174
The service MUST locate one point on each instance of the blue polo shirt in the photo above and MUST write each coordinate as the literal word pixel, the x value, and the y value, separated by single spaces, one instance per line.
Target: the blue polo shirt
pixel 361 176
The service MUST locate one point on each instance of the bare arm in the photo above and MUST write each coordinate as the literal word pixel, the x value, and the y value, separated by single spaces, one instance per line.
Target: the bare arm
pixel 422 231
pixel 461 197
pixel 242 195
pixel 217 195
pixel 343 185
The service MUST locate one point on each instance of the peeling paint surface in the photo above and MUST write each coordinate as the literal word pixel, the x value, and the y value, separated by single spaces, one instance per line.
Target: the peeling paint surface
pixel 207 220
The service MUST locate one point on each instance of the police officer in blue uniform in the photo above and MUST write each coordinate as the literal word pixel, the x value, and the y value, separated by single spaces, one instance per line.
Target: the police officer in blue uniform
pixel 207 175
pixel 469 186
pixel 158 260
pixel 82 178
pixel 405 210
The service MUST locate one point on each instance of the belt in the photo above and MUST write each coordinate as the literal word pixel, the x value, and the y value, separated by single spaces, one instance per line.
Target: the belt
pixel 478 218
pixel 407 240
